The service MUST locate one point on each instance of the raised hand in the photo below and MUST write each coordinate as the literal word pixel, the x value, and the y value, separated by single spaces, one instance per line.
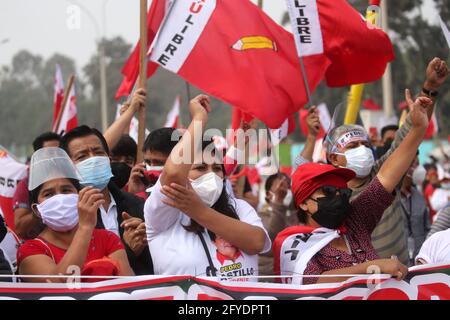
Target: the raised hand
pixel 139 99
pixel 199 107
pixel 437 72
pixel 313 121
pixel 418 110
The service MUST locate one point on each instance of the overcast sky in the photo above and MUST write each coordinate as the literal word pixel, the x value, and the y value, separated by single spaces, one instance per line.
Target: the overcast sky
pixel 41 26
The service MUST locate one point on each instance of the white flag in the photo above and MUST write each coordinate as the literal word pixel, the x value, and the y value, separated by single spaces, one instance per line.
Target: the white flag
pixel 445 31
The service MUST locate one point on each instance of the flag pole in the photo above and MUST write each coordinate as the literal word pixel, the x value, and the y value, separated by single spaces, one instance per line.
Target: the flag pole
pixel 64 102
pixel 142 77
pixel 305 80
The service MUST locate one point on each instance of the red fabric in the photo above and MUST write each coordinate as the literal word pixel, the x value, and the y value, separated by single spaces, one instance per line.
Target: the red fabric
pixel 21 196
pixel 432 129
pixel 278 243
pixel 254 80
pixel 311 176
pixel 370 104
pixel 428 193
pixel 100 267
pixel 130 71
pixel 358 54
pixel 6 206
pixel 103 243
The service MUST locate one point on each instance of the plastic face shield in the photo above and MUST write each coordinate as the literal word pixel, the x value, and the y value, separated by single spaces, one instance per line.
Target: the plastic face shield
pixel 49 164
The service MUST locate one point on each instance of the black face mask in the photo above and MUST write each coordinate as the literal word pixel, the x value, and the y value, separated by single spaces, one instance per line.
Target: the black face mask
pixel 121 172
pixel 333 209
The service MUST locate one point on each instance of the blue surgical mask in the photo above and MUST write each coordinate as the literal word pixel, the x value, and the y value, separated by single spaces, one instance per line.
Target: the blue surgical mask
pixel 95 172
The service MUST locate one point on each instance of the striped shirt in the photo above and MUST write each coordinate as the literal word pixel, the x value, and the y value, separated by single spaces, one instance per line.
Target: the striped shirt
pixel 389 237
pixel 442 222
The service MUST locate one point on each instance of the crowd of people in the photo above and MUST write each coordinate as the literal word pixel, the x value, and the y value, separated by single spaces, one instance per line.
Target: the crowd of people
pixel 87 206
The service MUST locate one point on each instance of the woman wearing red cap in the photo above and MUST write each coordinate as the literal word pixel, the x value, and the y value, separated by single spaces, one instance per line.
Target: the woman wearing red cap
pixel 336 238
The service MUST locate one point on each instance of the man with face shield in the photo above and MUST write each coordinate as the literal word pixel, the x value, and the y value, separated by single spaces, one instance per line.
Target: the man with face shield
pixel 336 238
pixel 69 243
pixel 190 202
pixel 348 146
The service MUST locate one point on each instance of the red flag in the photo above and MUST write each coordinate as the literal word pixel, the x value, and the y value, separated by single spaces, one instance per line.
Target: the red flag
pixel 11 173
pixel 357 52
pixel 130 71
pixel 433 128
pixel 58 94
pixel 251 64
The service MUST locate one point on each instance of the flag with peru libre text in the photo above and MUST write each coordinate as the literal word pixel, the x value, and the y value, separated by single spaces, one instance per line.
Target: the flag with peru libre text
pixel 253 64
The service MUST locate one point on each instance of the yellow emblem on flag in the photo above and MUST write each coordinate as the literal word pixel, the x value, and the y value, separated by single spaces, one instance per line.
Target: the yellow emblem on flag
pixel 254 42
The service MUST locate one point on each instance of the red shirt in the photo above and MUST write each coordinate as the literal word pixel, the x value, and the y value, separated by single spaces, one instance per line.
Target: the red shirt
pixel 103 243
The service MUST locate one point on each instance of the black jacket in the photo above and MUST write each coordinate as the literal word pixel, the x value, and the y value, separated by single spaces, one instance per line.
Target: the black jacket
pixel 134 206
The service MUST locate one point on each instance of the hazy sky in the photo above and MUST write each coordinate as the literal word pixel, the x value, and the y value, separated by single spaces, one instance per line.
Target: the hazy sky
pixel 41 26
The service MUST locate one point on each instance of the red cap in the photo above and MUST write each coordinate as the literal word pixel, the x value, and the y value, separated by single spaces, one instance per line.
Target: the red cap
pixel 311 176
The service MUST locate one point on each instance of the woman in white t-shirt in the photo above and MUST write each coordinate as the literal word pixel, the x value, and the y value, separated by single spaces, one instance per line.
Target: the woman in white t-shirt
pixel 436 249
pixel 193 226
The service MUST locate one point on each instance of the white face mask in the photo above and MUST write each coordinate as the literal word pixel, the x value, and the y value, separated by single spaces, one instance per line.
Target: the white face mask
pixel 60 212
pixel 419 175
pixel 208 187
pixel 445 185
pixel 360 160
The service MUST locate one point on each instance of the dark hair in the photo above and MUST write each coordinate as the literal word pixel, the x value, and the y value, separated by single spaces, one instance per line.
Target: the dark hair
pixel 385 129
pixel 270 180
pixel 125 147
pixel 34 194
pixel 222 205
pixel 80 132
pixel 38 143
pixel 160 140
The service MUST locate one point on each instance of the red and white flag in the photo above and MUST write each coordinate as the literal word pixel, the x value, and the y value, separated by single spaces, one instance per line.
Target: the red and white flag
pixel 58 94
pixel 69 117
pixel 251 64
pixel 174 114
pixel 336 32
pixel 11 172
pixel 130 71
pixel 324 117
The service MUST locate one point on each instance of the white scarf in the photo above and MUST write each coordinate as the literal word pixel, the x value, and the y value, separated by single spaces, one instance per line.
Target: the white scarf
pixel 299 248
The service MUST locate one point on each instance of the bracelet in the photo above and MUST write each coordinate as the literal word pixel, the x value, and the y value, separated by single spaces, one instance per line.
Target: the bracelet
pixel 430 93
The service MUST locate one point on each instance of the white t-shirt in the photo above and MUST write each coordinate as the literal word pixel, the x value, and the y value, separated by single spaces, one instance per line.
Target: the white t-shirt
pixel 176 251
pixel 439 199
pixel 436 249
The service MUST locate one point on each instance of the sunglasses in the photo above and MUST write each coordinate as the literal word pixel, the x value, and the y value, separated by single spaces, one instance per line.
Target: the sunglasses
pixel 331 192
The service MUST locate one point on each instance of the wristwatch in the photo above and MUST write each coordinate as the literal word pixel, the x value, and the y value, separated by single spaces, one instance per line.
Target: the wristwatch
pixel 430 93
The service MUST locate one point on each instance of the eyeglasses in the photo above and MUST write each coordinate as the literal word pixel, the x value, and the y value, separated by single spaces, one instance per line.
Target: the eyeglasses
pixel 331 192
